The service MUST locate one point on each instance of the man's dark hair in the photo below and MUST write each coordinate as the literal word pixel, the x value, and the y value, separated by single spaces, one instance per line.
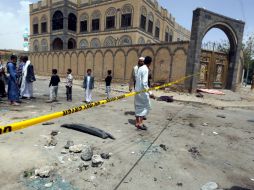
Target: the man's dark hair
pixel 109 72
pixel 69 70
pixel 13 57
pixel 54 71
pixel 148 60
pixel 24 59
pixel 89 70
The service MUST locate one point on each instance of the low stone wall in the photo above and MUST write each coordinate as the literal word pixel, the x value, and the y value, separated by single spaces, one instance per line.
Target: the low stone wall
pixel 169 61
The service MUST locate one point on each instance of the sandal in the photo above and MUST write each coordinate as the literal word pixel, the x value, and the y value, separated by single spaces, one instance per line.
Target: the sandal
pixel 143 127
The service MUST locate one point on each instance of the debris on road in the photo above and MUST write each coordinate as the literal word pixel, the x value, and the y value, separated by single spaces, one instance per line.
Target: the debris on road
pixel 165 99
pixel 191 125
pixel 199 95
pixel 51 141
pixel 54 133
pixel 89 130
pixel 69 144
pixel 221 116
pixel 44 171
pixel 87 153
pixel 105 156
pixel 76 148
pixel 164 147
pixel 97 160
pixel 83 165
pixel 48 123
pixel 194 152
pixel 210 186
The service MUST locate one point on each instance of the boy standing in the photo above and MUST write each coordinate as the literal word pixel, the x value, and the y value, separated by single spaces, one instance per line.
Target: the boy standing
pixel 108 80
pixel 69 81
pixel 53 85
pixel 88 85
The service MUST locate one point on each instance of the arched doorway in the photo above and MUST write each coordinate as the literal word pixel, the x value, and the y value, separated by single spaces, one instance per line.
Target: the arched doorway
pixel 57 44
pixel 204 21
pixel 214 60
pixel 71 44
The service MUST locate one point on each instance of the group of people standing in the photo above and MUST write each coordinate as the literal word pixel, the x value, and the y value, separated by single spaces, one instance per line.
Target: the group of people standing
pixel 19 79
pixel 88 85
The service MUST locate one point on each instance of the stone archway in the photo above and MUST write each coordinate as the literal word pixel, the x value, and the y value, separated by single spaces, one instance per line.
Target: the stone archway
pixel 203 21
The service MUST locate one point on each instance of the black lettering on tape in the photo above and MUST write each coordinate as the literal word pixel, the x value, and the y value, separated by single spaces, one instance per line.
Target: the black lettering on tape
pixel 6 129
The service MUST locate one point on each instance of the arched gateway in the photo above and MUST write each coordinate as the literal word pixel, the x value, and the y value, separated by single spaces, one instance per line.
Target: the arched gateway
pixel 203 21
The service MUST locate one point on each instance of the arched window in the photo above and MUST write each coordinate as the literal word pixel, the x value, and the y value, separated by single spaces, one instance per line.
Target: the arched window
pixel 150 23
pixel 95 43
pixel 157 29
pixel 126 20
pixel 44 24
pixel 125 40
pixel 36 46
pixel 71 44
pixel 109 42
pixel 111 18
pixel 143 18
pixel 44 45
pixel 141 40
pixel 72 22
pixel 35 26
pixel 83 44
pixel 167 34
pixel 57 21
pixel 58 44
pixel 96 20
pixel 171 33
pixel 84 23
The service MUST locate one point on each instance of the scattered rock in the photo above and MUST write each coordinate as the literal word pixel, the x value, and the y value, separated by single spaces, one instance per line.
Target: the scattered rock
pixel 44 171
pixel 27 174
pixel 221 116
pixel 205 124
pixel 73 158
pixel 164 147
pixel 54 133
pixel 179 184
pixel 209 186
pixel 76 148
pixel 69 144
pixel 154 179
pixel 105 156
pixel 87 153
pixel 64 151
pixel 51 141
pixel 97 160
pixel 83 165
pixel 191 125
pixel 48 185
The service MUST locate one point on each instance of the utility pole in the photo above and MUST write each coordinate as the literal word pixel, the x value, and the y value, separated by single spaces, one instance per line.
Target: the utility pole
pixel 248 68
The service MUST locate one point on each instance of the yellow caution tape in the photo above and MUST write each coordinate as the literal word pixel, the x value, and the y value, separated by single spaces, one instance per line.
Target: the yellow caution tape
pixel 30 122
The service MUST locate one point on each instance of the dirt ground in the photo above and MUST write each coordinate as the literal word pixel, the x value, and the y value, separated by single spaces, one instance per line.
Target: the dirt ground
pixel 189 143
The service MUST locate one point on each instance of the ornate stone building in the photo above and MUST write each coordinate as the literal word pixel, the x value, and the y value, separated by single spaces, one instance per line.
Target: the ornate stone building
pixel 82 24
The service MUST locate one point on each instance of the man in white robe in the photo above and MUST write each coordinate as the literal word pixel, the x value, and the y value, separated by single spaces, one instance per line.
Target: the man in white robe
pixel 142 101
pixel 26 90
pixel 134 73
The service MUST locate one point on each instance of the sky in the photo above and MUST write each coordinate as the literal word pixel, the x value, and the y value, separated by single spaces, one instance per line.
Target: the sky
pixel 14 17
